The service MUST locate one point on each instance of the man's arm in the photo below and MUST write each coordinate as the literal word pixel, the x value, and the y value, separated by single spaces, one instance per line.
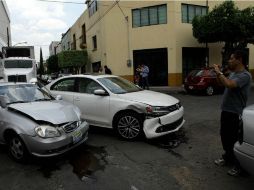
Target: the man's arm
pixel 224 80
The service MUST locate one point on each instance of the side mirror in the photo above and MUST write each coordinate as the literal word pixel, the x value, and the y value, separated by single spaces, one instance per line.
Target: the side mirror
pixel 3 101
pixel 59 97
pixel 100 92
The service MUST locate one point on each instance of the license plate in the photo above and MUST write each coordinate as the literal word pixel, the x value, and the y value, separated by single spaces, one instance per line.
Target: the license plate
pixel 76 136
pixel 191 87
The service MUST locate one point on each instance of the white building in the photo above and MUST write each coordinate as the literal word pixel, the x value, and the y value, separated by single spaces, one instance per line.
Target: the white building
pixel 5 33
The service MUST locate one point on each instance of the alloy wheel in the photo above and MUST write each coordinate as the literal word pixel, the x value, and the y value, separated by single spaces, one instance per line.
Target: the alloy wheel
pixel 129 127
pixel 16 148
pixel 209 90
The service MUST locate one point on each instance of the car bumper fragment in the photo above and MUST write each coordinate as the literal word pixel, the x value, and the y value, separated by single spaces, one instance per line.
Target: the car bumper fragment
pixel 159 126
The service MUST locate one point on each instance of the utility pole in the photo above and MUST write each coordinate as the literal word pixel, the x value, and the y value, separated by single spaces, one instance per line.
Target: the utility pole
pixel 206 45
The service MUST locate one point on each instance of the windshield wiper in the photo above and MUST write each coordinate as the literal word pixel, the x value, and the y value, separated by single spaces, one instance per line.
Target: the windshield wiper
pixel 17 102
pixel 42 99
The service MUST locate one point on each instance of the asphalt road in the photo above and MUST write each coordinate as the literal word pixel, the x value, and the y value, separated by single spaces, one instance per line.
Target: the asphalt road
pixel 180 161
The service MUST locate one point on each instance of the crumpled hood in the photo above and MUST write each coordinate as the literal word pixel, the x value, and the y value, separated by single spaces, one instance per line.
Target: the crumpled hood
pixel 55 112
pixel 150 97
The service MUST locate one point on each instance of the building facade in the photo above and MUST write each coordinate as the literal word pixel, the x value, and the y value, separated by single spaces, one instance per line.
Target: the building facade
pixel 55 48
pixel 5 33
pixel 66 41
pixel 124 34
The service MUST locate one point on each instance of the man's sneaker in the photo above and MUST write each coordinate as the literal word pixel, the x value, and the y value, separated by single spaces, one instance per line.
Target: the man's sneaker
pixel 235 171
pixel 220 162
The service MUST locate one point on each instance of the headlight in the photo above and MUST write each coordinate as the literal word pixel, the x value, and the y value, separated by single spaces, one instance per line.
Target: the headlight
pixel 157 111
pixel 46 131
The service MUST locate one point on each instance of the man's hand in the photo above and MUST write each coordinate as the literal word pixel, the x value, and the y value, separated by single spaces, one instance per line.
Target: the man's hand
pixel 216 68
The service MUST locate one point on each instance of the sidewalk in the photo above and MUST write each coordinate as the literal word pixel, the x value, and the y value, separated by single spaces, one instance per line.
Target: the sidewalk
pixel 167 89
pixel 175 89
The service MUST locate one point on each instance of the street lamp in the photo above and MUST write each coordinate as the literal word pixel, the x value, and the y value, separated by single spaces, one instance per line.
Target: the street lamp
pixel 20 43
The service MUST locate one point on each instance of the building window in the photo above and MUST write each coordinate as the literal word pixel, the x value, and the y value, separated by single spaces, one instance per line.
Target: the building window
pixel 84 34
pixel 92 7
pixel 149 16
pixel 190 11
pixel 94 43
pixel 74 42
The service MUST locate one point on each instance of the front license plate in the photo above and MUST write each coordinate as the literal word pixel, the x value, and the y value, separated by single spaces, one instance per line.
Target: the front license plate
pixel 191 87
pixel 76 136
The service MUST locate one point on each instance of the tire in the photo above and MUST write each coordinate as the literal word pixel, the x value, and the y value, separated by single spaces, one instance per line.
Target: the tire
pixel 129 125
pixel 17 149
pixel 209 91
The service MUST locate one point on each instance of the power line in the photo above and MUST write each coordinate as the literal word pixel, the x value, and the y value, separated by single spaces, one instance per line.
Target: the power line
pixel 69 2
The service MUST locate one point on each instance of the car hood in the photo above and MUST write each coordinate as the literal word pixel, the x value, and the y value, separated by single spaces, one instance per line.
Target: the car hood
pixel 55 112
pixel 150 97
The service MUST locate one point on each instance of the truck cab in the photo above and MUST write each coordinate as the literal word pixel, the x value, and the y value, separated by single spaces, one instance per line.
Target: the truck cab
pixel 18 64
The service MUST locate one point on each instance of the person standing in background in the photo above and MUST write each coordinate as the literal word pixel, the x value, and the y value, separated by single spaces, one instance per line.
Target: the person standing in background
pixel 107 70
pixel 144 76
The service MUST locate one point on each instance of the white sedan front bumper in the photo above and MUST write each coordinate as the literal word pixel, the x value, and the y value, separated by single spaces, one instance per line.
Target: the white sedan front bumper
pixel 159 126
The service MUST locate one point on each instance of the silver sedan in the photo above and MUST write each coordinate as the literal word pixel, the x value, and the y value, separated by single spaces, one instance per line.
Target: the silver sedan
pixel 33 122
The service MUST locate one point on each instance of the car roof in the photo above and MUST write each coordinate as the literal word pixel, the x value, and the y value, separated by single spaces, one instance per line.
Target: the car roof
pixel 92 76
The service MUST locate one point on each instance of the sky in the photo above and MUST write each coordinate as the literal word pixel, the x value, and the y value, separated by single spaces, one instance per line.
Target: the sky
pixel 39 22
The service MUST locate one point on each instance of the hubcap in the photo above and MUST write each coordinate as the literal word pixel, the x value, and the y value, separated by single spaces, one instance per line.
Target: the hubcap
pixel 16 148
pixel 128 127
pixel 209 90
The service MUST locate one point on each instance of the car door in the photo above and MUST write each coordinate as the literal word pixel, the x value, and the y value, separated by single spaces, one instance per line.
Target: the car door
pixel 64 87
pixel 94 108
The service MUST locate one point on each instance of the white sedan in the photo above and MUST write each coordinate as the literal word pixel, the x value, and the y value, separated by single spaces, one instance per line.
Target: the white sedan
pixel 113 102
pixel 244 148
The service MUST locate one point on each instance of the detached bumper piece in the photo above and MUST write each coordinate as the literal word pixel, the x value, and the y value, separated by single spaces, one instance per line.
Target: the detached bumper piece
pixel 169 127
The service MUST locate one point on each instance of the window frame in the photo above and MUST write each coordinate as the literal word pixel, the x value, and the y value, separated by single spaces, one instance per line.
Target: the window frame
pixel 94 41
pixel 85 78
pixel 64 79
pixel 92 7
pixel 195 14
pixel 134 25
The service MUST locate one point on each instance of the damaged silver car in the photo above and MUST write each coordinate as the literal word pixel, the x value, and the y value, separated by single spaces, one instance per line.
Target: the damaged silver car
pixel 33 122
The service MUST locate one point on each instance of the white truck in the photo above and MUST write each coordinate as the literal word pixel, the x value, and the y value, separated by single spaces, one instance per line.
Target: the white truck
pixel 18 64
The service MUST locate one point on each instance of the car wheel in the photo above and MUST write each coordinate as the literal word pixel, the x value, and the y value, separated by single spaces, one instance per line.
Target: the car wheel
pixel 129 125
pixel 209 91
pixel 17 149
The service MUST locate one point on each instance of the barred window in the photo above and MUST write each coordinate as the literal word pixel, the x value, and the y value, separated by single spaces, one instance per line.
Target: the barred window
pixel 190 11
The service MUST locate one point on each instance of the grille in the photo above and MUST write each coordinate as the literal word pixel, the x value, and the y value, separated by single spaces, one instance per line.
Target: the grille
pixel 169 127
pixel 174 107
pixel 17 78
pixel 71 126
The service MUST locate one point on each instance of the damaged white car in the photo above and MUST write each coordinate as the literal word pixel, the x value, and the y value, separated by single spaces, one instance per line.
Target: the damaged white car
pixel 111 101
pixel 33 122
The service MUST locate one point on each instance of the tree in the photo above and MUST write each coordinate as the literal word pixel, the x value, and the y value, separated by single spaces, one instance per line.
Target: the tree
pixel 41 67
pixel 52 64
pixel 226 23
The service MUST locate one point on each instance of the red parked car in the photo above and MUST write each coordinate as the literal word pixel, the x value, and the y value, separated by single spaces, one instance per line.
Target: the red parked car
pixel 202 80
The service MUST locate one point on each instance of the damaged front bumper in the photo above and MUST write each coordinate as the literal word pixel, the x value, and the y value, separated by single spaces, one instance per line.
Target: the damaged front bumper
pixel 159 126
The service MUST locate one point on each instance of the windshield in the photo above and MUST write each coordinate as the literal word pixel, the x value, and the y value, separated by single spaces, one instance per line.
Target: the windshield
pixel 22 93
pixel 119 85
pixel 196 73
pixel 9 64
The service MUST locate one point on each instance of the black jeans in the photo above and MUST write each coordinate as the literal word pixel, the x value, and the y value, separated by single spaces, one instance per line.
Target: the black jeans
pixel 230 125
pixel 145 83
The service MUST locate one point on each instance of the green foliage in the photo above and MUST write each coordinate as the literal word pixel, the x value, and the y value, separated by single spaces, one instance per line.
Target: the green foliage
pixel 52 64
pixel 41 68
pixel 225 23
pixel 72 59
